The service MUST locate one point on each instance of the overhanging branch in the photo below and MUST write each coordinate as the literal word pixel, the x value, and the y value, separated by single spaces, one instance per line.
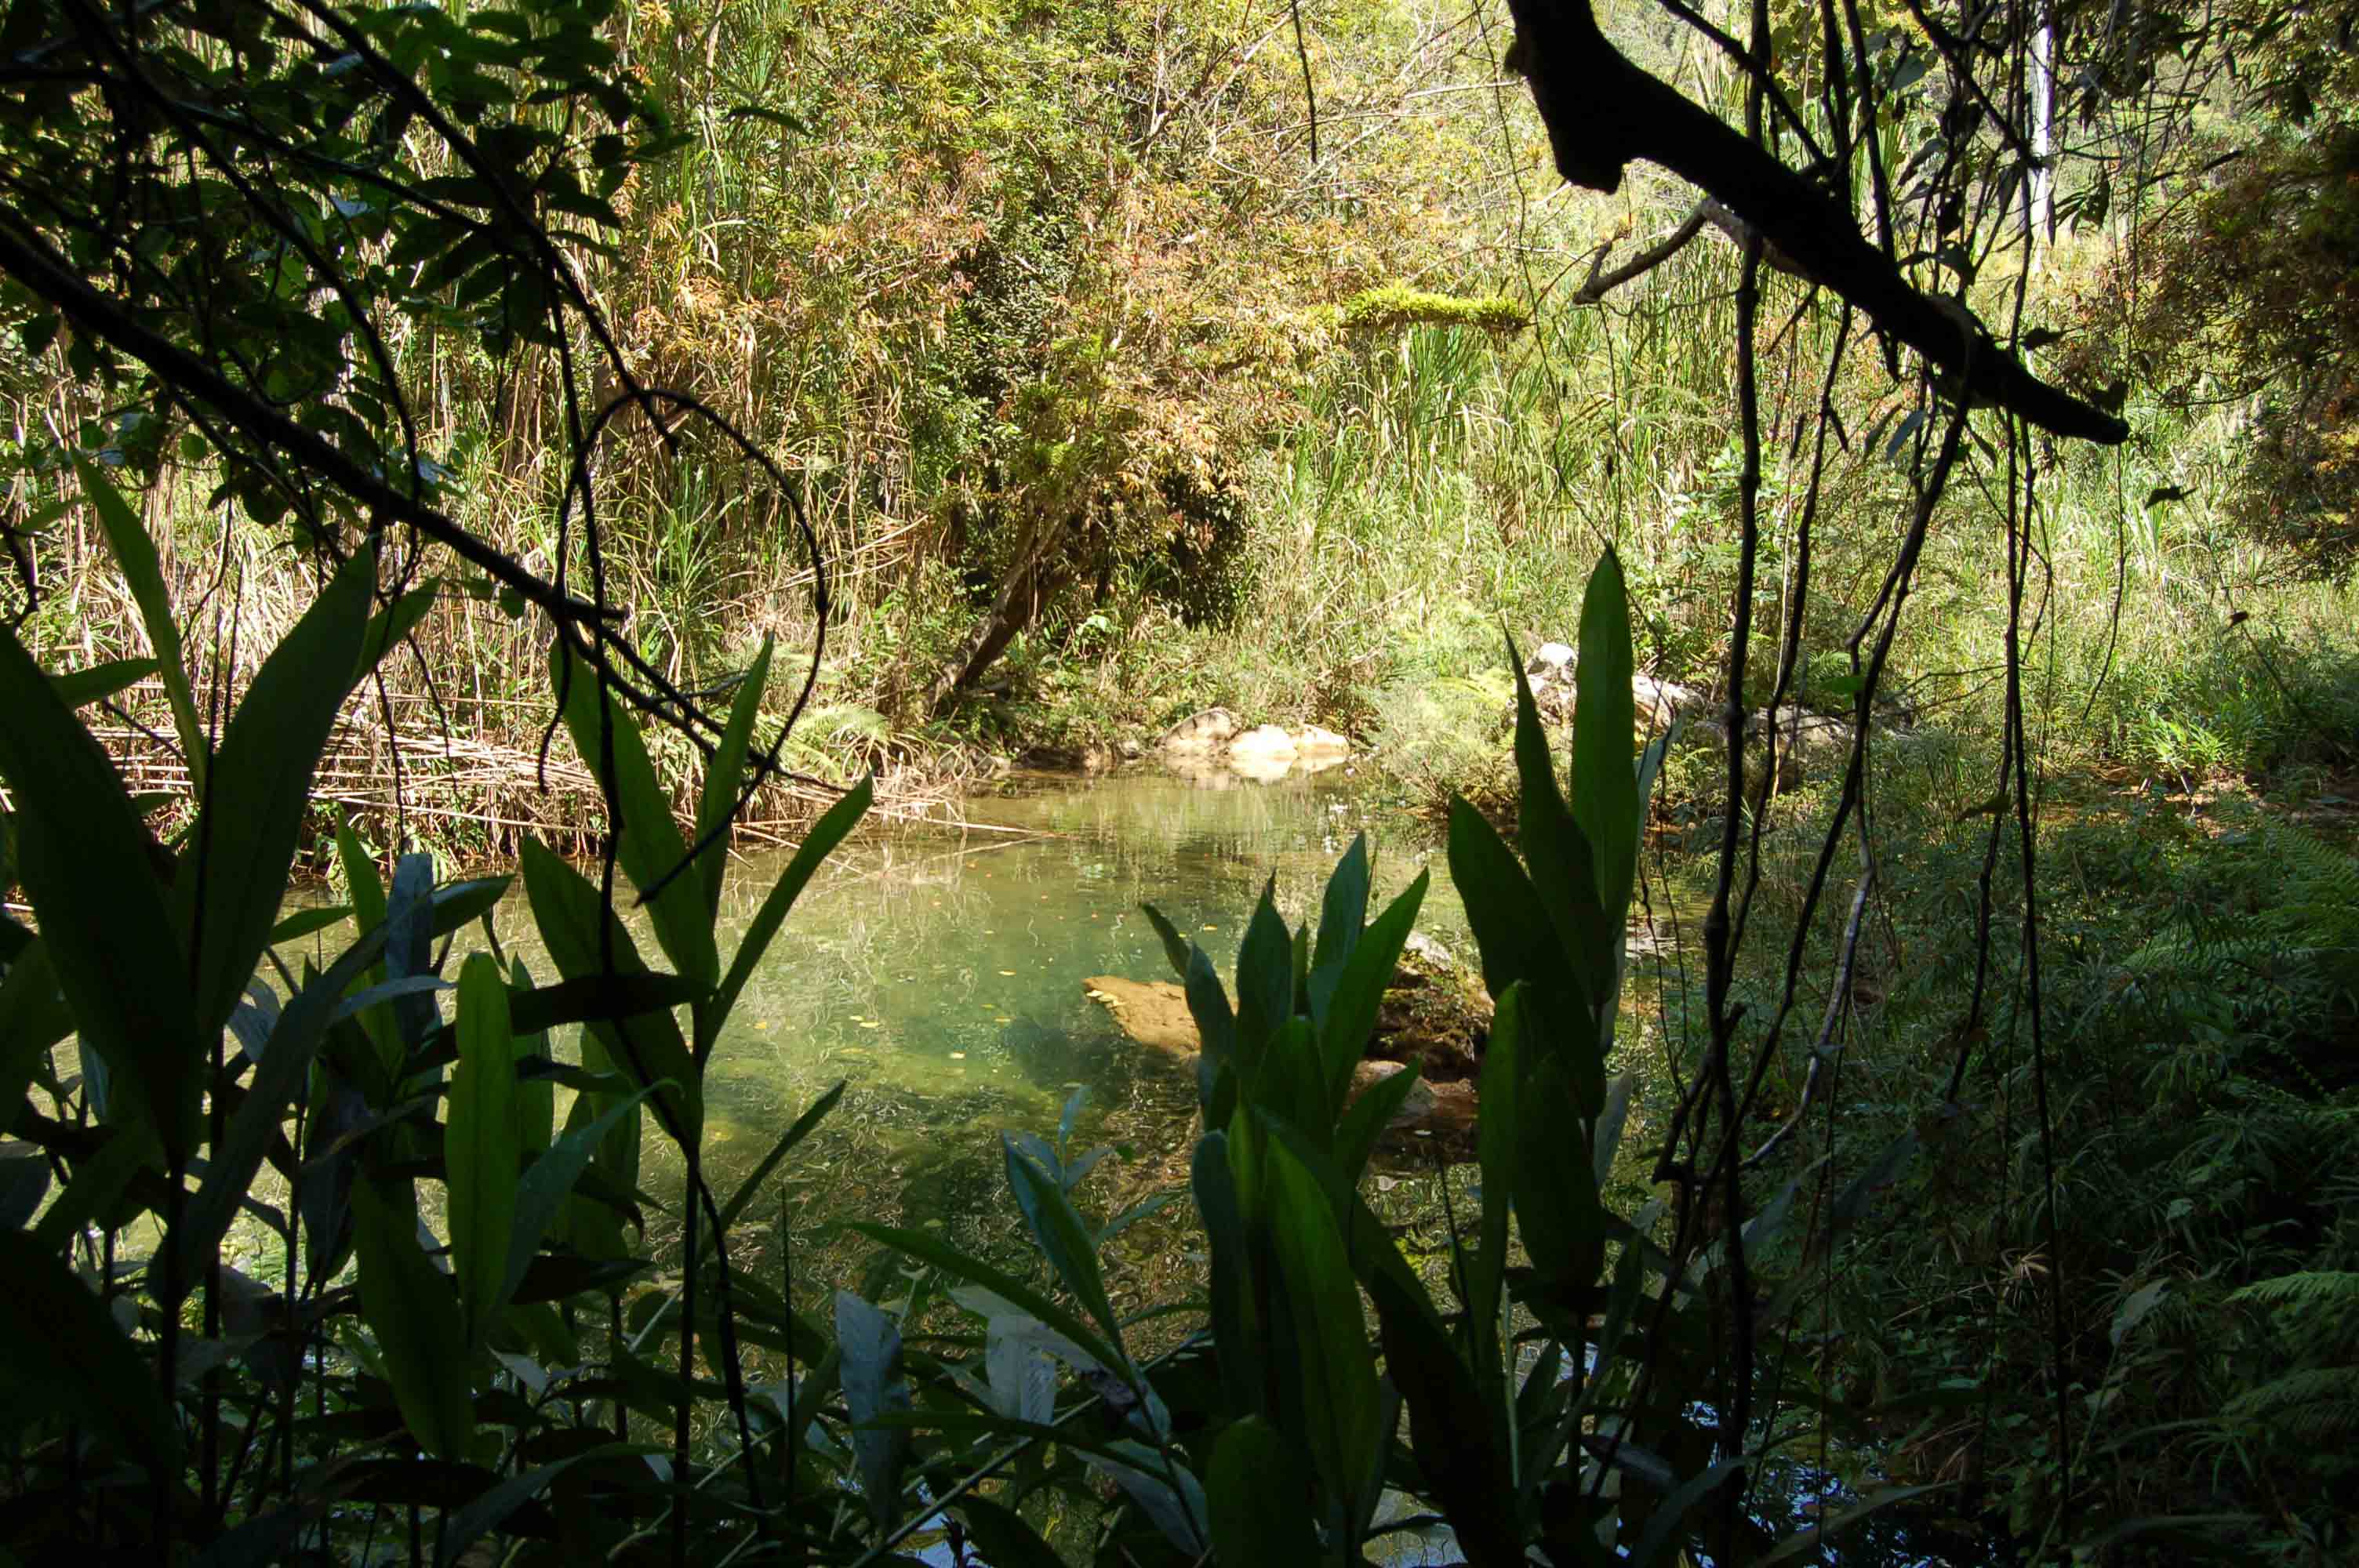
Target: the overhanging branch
pixel 1601 111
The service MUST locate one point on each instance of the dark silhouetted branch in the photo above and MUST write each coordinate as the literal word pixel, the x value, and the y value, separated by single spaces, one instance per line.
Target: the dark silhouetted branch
pixel 1601 111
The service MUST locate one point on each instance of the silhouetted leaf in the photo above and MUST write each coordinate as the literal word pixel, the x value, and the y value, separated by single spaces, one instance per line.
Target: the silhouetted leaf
pixel 725 775
pixel 1359 992
pixel 1258 1500
pixel 1343 910
pixel 134 557
pixel 480 1146
pixel 82 860
pixel 67 1359
pixel 647 841
pixel 259 791
pixel 1605 798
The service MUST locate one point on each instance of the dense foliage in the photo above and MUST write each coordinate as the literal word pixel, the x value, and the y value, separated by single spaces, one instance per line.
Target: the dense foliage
pixel 1052 372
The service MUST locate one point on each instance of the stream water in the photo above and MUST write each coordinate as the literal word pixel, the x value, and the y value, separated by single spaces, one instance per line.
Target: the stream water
pixel 939 973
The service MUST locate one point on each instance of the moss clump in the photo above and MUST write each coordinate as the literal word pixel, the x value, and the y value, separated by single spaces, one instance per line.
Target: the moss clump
pixel 1392 306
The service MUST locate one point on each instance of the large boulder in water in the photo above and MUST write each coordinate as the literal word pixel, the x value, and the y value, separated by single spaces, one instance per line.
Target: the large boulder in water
pixel 1199 734
pixel 1153 1012
pixel 1263 742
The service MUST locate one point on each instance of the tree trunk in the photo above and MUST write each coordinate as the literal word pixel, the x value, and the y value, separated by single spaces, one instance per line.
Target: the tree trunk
pixel 1020 596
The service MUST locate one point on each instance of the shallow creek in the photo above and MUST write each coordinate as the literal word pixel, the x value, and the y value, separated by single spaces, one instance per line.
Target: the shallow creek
pixel 940 973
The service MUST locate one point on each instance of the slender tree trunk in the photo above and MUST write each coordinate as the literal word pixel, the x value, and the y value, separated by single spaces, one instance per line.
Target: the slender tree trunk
pixel 2043 124
pixel 1021 592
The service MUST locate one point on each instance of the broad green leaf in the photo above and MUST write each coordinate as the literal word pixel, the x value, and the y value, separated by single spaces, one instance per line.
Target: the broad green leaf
pixel 648 1047
pixel 1343 910
pixel 1258 1500
pixel 647 840
pixel 67 1359
pixel 134 557
pixel 1557 1205
pixel 408 1306
pixel 1063 1238
pixel 79 688
pixel 1519 941
pixel 1341 1399
pixel 103 918
pixel 259 792
pixel 1264 980
pixel 1563 869
pixel 479 1146
pixel 307 921
pixel 1496 1135
pixel 1216 1026
pixel 388 626
pixel 1605 800
pixel 536 1104
pixel 817 846
pixel 1237 1329
pixel 873 1385
pixel 1359 990
pixel 724 777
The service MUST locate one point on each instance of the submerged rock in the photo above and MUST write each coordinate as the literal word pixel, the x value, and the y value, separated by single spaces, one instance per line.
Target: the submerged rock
pixel 1432 1013
pixel 1153 1012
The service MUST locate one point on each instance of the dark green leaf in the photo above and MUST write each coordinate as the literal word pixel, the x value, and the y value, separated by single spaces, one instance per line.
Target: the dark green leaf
pixel 1343 910
pixel 545 1184
pixel 135 556
pixel 724 776
pixel 1003 1539
pixel 1264 980
pixel 648 840
pixel 1604 790
pixel 79 688
pixel 1363 1123
pixel 480 1148
pixel 573 922
pixel 1359 990
pixel 103 919
pixel 409 1306
pixel 67 1359
pixel 1063 1238
pixel 1260 1500
pixel 1341 1401
pixel 259 791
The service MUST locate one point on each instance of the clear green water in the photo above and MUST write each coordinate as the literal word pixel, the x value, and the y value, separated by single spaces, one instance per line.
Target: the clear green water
pixel 939 973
